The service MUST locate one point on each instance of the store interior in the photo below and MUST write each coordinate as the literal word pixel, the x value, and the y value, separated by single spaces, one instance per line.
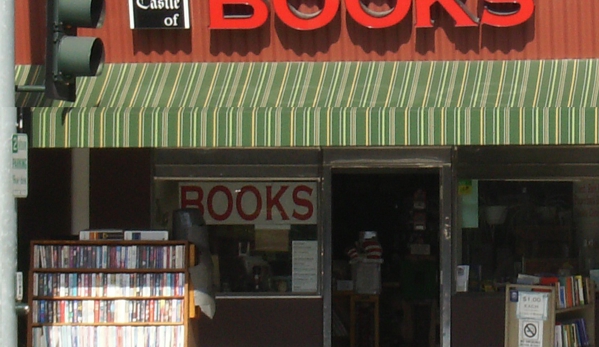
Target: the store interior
pixel 399 211
pixel 522 227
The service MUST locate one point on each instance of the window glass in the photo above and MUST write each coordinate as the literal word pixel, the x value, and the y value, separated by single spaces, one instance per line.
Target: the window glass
pixel 262 258
pixel 263 235
pixel 511 227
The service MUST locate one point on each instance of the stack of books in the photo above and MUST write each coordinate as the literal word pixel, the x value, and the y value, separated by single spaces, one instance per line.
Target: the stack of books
pixel 120 234
pixel 571 332
pixel 575 290
pixel 102 234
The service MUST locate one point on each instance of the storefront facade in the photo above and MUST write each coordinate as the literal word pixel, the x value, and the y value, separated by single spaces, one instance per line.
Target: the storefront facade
pixel 253 110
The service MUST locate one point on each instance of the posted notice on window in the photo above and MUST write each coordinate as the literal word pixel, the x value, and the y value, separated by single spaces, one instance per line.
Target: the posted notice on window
pixel 532 305
pixel 304 277
pixel 530 333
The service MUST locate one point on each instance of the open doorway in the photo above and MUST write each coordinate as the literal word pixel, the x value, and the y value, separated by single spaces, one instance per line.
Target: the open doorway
pixel 398 210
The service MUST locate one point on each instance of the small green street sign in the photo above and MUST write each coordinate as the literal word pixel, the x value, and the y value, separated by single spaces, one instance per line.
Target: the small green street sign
pixel 19 165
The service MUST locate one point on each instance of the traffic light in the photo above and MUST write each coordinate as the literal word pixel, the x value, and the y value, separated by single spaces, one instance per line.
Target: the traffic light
pixel 67 55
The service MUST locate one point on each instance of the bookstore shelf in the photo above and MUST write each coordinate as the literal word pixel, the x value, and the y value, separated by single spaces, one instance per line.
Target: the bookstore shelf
pixel 559 313
pixel 574 309
pixel 110 293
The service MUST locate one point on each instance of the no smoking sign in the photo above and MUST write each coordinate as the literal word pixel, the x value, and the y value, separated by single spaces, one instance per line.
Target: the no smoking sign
pixel 530 333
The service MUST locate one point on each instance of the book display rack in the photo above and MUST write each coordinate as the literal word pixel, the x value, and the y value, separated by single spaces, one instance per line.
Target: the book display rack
pixel 109 293
pixel 559 313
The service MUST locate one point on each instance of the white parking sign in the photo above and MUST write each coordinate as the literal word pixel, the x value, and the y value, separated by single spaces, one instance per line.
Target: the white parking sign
pixel 19 165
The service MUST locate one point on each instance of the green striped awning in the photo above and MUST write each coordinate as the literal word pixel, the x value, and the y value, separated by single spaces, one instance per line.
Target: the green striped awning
pixel 551 83
pixel 314 126
pixel 322 104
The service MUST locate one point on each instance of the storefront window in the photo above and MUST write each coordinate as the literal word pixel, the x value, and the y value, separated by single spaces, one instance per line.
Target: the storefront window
pixel 263 258
pixel 511 228
pixel 263 235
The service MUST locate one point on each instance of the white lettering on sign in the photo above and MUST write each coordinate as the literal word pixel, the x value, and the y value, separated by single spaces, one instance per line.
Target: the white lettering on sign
pixel 252 202
pixel 158 14
pixel 158 4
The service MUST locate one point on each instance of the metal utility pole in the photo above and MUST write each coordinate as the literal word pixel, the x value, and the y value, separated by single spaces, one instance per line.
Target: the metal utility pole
pixel 8 215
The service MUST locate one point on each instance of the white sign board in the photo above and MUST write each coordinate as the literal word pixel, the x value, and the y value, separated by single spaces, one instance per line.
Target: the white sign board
pixel 304 262
pixel 19 285
pixel 252 202
pixel 532 305
pixel 530 333
pixel 19 165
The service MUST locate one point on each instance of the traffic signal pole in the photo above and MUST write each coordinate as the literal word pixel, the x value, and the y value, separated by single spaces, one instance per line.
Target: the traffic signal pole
pixel 8 215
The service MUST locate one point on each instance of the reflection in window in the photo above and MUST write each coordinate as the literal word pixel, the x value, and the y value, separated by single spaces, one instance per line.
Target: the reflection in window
pixel 260 258
pixel 528 227
pixel 263 234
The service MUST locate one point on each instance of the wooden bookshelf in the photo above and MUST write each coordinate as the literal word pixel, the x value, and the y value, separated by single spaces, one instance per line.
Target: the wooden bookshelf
pixel 110 293
pixel 548 321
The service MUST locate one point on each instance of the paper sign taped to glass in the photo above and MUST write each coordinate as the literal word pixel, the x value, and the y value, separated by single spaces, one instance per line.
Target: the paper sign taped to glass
pixel 532 305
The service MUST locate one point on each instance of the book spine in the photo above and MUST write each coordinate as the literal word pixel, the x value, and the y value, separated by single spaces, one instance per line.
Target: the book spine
pixel 580 286
pixel 79 296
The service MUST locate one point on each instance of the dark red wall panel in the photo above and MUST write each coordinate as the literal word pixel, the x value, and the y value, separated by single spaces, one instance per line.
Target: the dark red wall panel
pixel 262 322
pixel 120 182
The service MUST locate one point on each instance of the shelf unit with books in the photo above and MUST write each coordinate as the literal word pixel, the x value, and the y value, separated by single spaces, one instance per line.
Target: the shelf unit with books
pixel 110 293
pixel 538 315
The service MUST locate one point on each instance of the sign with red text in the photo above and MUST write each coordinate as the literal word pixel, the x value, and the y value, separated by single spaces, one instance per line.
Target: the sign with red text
pixel 497 13
pixel 252 202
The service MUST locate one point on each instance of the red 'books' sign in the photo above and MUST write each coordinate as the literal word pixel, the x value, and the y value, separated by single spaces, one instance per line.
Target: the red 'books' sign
pixel 522 11
pixel 252 202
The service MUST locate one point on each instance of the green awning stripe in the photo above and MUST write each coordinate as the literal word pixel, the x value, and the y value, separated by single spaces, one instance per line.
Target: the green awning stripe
pixel 543 83
pixel 322 104
pixel 356 126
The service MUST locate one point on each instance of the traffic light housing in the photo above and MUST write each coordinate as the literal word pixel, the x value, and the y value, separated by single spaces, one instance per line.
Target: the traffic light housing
pixel 68 55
